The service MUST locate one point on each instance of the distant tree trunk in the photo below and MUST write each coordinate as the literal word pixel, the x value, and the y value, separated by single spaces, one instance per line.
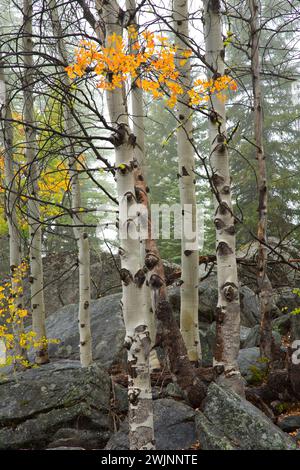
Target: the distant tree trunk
pixel 264 284
pixel 80 234
pixel 228 309
pixel 10 201
pixel 135 307
pixel 189 299
pixel 35 232
pixel 140 175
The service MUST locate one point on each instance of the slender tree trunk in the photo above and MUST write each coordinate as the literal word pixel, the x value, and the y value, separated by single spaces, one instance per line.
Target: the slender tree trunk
pixel 186 162
pixel 35 232
pixel 140 174
pixel 228 310
pixel 135 306
pixel 81 236
pixel 11 215
pixel 264 284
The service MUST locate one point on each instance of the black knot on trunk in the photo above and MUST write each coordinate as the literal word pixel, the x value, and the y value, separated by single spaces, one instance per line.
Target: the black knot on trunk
pixel 230 291
pixel 217 180
pixel 213 116
pixel 139 278
pixel 219 224
pixel 155 282
pixel 129 196
pixel 151 260
pixel 126 276
pixel 188 252
pixel 230 230
pixel 224 249
pixel 132 140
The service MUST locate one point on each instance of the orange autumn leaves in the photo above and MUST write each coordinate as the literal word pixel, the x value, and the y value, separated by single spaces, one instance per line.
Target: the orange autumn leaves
pixel 151 62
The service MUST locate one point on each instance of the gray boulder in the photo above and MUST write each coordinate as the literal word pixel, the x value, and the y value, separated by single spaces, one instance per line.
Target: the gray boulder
pixel 37 403
pixel 61 279
pixel 250 311
pixel 228 421
pixel 251 367
pixel 208 299
pixel 286 300
pixel 289 423
pixel 174 427
pixel 107 330
pixel 288 323
pixel 253 338
pixel 208 340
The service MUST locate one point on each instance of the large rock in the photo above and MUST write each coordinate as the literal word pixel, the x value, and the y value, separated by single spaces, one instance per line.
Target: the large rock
pixel 228 421
pixel 289 423
pixel 288 323
pixel 253 338
pixel 37 404
pixel 107 330
pixel 174 427
pixel 61 279
pixel 250 311
pixel 250 364
pixel 208 341
pixel 208 299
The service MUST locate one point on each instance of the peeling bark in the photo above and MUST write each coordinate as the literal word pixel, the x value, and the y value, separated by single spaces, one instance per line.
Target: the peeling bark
pixel 134 300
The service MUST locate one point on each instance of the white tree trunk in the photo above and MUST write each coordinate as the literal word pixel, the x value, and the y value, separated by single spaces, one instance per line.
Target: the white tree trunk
pixel 228 310
pixel 136 94
pixel 186 163
pixel 264 284
pixel 35 232
pixel 11 200
pixel 135 310
pixel 81 236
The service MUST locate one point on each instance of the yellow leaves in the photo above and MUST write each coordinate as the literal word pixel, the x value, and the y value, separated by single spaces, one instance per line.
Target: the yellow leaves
pixel 187 53
pixel 12 314
pixel 151 62
pixel 132 32
pixel 202 90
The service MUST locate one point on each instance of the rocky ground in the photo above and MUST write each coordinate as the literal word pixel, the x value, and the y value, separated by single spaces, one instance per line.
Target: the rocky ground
pixel 61 405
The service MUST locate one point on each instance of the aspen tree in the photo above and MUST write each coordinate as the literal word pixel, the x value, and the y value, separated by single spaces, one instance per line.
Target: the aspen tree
pixel 189 299
pixel 228 309
pixel 31 154
pixel 135 306
pixel 264 284
pixel 80 234
pixel 11 199
pixel 140 175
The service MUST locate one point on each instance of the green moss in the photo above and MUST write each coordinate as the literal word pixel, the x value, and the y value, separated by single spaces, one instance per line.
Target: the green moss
pixel 258 375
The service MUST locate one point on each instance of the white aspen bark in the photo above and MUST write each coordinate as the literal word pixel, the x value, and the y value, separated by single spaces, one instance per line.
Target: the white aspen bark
pixel 138 341
pixel 81 236
pixel 228 309
pixel 35 232
pixel 10 202
pixel 189 299
pixel 138 126
pixel 264 284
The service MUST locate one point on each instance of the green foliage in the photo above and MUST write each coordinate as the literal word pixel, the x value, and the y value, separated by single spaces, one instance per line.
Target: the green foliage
pixel 258 375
